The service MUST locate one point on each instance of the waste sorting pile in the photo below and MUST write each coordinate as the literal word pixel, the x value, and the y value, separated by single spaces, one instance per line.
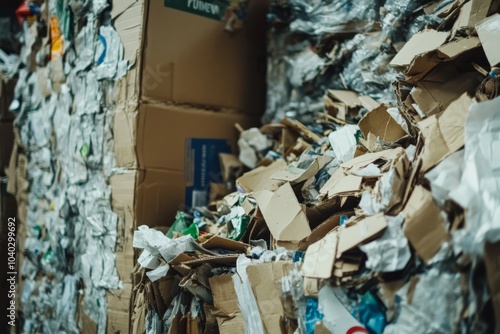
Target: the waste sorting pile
pixel 70 58
pixel 370 198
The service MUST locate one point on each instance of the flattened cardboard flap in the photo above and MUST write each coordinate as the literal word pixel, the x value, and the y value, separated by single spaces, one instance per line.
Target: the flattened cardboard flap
pixel 423 225
pixel 422 42
pixel 284 216
pixel 446 134
pixel 260 178
pixel 356 234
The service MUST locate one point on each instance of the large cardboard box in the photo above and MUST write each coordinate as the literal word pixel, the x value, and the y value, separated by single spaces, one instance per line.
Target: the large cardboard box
pixel 184 58
pixel 190 58
pixel 163 130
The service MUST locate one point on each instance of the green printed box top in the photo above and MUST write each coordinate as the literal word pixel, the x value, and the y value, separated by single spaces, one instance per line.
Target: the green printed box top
pixel 213 9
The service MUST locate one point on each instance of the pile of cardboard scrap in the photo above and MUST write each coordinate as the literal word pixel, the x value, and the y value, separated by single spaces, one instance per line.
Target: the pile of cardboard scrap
pixel 385 226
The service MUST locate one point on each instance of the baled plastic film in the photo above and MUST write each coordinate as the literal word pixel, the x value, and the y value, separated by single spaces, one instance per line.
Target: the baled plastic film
pixel 108 53
pixel 333 16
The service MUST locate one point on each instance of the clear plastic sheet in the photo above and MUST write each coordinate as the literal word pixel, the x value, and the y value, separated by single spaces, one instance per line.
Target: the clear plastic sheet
pixel 359 63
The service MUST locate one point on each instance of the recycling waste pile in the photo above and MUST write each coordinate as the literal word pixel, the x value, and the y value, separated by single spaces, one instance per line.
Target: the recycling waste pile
pixel 366 203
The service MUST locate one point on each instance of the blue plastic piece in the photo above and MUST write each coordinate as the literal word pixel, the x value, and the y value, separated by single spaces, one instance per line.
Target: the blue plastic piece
pixel 372 314
pixel 343 220
pixel 313 316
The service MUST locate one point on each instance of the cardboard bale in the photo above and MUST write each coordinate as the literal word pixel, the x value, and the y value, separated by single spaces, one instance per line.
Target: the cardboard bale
pixel 129 21
pixel 123 192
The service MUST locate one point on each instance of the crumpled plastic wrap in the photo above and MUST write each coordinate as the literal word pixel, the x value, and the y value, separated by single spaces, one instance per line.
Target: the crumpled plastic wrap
pixel 479 187
pixel 433 305
pixel 391 251
pixel 322 17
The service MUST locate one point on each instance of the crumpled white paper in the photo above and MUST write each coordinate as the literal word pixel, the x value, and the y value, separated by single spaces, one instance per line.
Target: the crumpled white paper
pixel 390 252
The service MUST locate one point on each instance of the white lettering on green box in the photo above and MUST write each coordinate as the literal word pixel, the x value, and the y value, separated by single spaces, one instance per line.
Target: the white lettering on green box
pixel 213 9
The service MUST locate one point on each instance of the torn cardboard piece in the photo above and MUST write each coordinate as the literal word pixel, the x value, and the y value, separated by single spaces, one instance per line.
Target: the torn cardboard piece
pixel 353 235
pixel 384 159
pixel 446 134
pixel 471 13
pixel 340 103
pixel 420 43
pixel 441 87
pixel 320 257
pixel 283 213
pixel 211 241
pixel 424 227
pixel 259 179
pixel 227 312
pixel 264 281
pixel 341 183
pixel 381 124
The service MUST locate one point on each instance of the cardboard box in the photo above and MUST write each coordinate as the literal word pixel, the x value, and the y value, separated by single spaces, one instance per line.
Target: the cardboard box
pixel 159 195
pixel 123 194
pixel 189 58
pixel 128 17
pixel 123 188
pixel 163 130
